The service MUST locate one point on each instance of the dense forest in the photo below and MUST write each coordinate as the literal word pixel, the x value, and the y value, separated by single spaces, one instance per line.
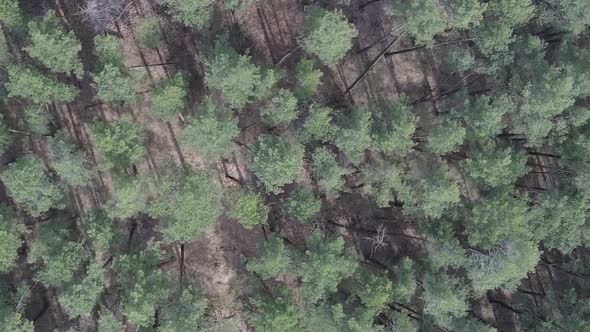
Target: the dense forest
pixel 295 165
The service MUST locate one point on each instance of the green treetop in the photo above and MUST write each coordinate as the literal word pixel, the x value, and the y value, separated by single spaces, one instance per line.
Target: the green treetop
pixel 61 255
pixel 395 127
pixel 465 14
pixel 28 183
pixel 109 51
pixel 502 266
pixel 497 217
pixel 446 137
pixel 38 120
pixel 277 162
pixel 355 138
pixel 55 48
pixel 130 197
pixel 192 13
pixel 445 298
pixel 328 172
pixel 327 34
pixel 303 205
pixel 185 312
pixel 30 84
pixel 483 116
pixel 70 164
pixel 573 15
pixel 281 110
pixel 10 238
pixel 113 85
pixel 318 125
pixel 148 32
pixel 120 143
pixel 249 209
pixel 187 205
pixel 405 284
pixel 100 230
pixel 142 283
pixel 10 13
pixel 309 79
pixel 495 167
pixel 12 307
pixel 107 322
pixel 444 250
pixel 277 313
pixel 374 290
pixel 239 80
pixel 273 262
pixel 168 97
pixel 5 136
pixel 383 181
pixel 423 19
pixel 80 298
pixel 333 318
pixel 502 16
pixel 324 265
pixel 211 133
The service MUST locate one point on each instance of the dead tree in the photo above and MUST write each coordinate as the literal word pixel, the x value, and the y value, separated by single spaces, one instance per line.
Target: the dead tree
pixel 100 14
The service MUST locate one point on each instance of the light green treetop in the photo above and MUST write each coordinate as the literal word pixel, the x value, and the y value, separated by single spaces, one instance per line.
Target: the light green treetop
pixel 327 34
pixel 277 162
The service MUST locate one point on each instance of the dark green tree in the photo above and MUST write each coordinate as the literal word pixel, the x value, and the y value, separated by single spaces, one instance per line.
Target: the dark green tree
pixel 148 32
pixel 168 97
pixel 446 137
pixel 276 161
pixel 38 120
pixel 309 79
pixel 185 312
pixel 211 133
pixel 327 34
pixel 423 19
pixel 274 261
pixel 281 110
pixel 109 51
pixel 445 298
pixel 120 143
pixel 78 299
pixel 28 183
pixel 276 312
pixel 394 127
pixel 30 84
pixel 192 13
pixel 328 172
pixel 113 85
pixel 70 164
pixel 355 139
pixel 11 232
pixel 495 166
pixel 318 125
pixel 303 205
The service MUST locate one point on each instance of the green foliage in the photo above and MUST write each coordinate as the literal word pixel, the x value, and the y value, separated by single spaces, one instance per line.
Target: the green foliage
pixel 274 261
pixel 276 161
pixel 148 32
pixel 303 205
pixel 327 34
pixel 187 205
pixel 5 136
pixel 61 256
pixel 38 120
pixel 501 17
pixel 498 217
pixel 12 307
pixel 142 283
pixel 55 48
pixel 281 110
pixel 130 197
pixel 444 297
pixel 395 127
pixel 328 172
pixel 192 13
pixel 113 85
pixel 374 290
pixel 325 264
pixel 423 19
pixel 108 323
pixel 211 134
pixel 483 116
pixel 495 167
pixel 30 84
pixel 446 137
pixel 249 209
pixel 185 313
pixel 239 80
pixel 70 164
pixel 402 323
pixel 276 314
pixel 382 181
pixel 100 230
pixel 503 266
pixel 79 299
pixel 332 318
pixel 10 13
pixel 564 218
pixel 109 51
pixel 444 250
pixel 308 78
pixel 120 143
pixel 28 183
pixel 465 14
pixel 430 195
pixel 356 138
pixel 10 238
pixel 168 97
pixel 318 125
pixel 405 285
pixel 573 15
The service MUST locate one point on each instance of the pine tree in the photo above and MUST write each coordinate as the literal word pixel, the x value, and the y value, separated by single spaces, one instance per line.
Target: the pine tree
pixel 394 127
pixel 309 79
pixel 423 19
pixel 328 172
pixel 249 209
pixel 495 166
pixel 192 13
pixel 30 84
pixel 277 162
pixel 11 232
pixel 148 32
pixel 108 50
pixel 185 312
pixel 130 197
pixel 120 143
pixel 281 110
pixel 318 125
pixel 10 13
pixel 168 97
pixel 327 34
pixel 445 298
pixel 446 137
pixel 113 85
pixel 355 138
pixel 70 164
pixel 274 261
pixel 303 205
pixel 79 298
pixel 276 313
